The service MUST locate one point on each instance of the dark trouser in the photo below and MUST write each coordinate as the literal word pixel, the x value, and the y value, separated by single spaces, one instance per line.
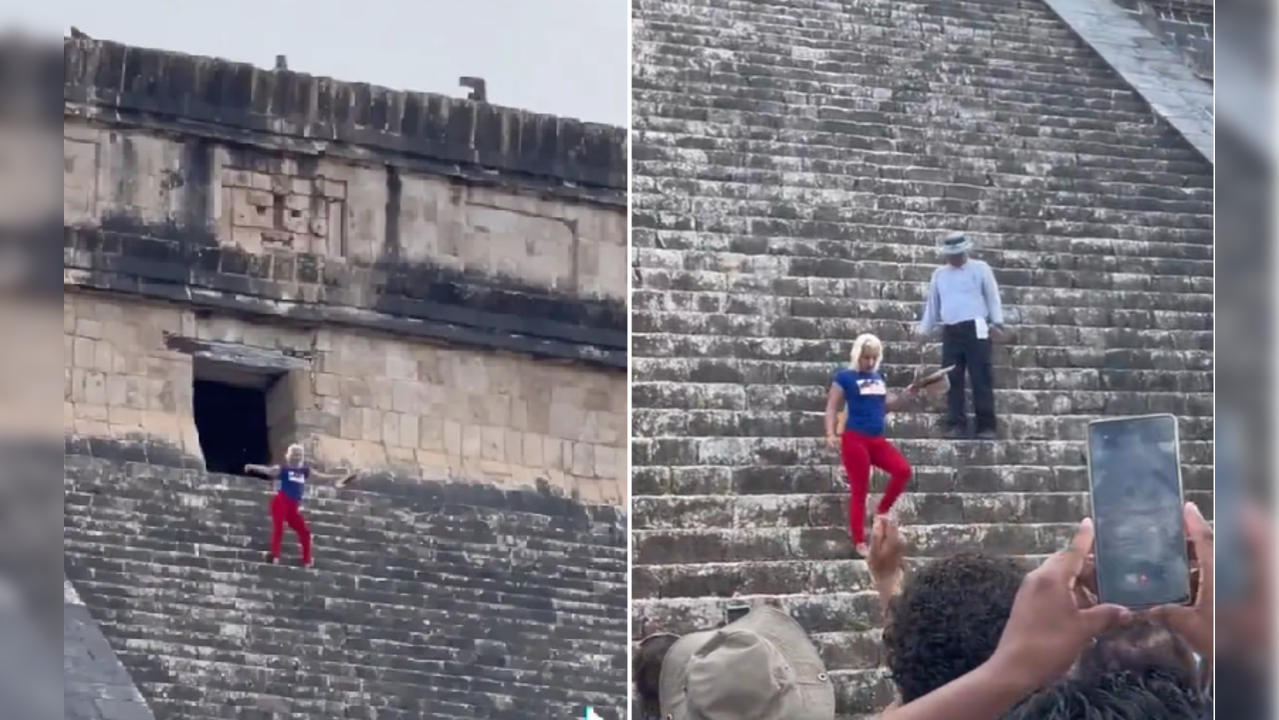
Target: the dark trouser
pixel 961 347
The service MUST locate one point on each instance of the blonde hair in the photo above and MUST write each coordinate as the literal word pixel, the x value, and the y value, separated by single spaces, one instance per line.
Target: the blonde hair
pixel 863 343
pixel 295 447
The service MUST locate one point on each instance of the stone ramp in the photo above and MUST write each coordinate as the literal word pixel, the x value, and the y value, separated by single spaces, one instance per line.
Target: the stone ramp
pixel 795 163
pixel 427 600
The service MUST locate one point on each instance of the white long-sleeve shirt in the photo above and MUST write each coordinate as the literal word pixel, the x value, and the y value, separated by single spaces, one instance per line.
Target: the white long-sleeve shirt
pixel 960 294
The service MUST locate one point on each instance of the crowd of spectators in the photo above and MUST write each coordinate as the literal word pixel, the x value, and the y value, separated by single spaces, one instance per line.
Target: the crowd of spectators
pixel 977 637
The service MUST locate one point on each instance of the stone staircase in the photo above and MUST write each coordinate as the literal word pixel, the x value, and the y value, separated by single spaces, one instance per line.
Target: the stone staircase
pixel 795 163
pixel 427 600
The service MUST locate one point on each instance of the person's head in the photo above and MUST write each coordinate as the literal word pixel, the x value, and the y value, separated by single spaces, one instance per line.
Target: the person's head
pixel 1139 646
pixel 867 354
pixel 762 665
pixel 1114 696
pixel 294 455
pixel 955 247
pixel 947 620
pixel 646 669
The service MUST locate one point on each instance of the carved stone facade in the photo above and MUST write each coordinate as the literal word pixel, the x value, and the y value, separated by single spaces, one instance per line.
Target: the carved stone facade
pixel 430 290
pixel 324 253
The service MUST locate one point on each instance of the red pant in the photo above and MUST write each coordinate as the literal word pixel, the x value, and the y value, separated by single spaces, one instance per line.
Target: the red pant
pixel 285 510
pixel 860 453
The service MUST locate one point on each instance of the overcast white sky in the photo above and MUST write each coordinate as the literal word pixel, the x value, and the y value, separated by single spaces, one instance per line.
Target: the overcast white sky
pixel 564 57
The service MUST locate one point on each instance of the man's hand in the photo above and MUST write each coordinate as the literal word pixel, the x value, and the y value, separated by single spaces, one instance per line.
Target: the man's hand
pixel 1194 622
pixel 998 333
pixel 1047 629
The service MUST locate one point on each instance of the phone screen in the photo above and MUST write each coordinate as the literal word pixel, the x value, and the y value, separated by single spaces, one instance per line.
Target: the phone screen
pixel 1134 479
pixel 1230 576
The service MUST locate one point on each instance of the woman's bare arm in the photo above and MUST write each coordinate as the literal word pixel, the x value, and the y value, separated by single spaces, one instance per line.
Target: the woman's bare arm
pixel 834 400
pixel 265 470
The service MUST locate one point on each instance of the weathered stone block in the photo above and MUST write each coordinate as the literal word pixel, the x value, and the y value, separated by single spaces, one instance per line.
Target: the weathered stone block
pixel 445 599
pixel 777 215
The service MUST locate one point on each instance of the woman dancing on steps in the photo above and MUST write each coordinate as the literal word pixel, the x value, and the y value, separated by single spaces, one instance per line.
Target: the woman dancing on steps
pixel 286 506
pixel 862 390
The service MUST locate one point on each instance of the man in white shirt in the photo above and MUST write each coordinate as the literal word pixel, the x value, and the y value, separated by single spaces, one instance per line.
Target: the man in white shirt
pixel 963 301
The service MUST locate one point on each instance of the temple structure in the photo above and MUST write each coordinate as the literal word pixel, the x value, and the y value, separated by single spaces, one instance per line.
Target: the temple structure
pixel 426 289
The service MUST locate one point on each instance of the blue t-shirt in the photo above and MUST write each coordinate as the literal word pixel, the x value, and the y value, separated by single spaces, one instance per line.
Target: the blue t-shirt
pixel 293 481
pixel 866 394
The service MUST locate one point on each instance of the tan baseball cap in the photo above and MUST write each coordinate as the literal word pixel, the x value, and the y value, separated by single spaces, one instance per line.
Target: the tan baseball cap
pixel 759 667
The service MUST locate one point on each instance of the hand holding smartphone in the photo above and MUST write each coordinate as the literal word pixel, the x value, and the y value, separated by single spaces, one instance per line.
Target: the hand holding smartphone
pixel 1135 487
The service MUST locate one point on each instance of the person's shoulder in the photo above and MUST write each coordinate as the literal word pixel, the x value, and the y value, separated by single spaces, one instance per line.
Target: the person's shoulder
pixel 841 374
pixel 980 264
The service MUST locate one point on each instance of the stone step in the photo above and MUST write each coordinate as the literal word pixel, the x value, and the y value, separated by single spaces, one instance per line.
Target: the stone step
pixel 807 17
pixel 1032 343
pixel 803 544
pixel 906 256
pixel 795 164
pixel 658 312
pixel 880 130
pixel 852 20
pixel 886 272
pixel 653 160
pixel 808 425
pixel 998 188
pixel 827 477
pixel 920 506
pixel 766 452
pixel 691 396
pixel 815 305
pixel 1115 260
pixel 896 320
pixel 762 230
pixel 723 358
pixel 867 207
pixel 1048 54
pixel 751 363
pixel 424 599
pixel 665 176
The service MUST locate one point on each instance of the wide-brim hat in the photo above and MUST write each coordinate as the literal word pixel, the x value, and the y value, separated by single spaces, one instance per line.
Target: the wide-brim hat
pixel 955 244
pixel 759 667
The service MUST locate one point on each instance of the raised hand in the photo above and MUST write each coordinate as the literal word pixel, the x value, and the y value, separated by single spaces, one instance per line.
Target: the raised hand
pixel 1194 622
pixel 1047 628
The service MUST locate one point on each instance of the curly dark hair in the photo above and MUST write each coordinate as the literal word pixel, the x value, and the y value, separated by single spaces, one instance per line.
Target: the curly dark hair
pixel 947 620
pixel 1123 695
pixel 1139 646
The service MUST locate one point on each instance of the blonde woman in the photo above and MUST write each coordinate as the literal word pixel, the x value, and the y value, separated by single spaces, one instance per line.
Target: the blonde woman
pixel 286 506
pixel 860 389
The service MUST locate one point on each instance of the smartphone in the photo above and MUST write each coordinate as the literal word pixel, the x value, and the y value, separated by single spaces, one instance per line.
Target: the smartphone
pixel 1230 574
pixel 1134 484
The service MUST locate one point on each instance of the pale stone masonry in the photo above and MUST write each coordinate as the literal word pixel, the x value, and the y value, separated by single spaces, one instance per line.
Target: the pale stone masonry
pixel 427 289
pixel 796 162
pixel 374 402
pixel 365 397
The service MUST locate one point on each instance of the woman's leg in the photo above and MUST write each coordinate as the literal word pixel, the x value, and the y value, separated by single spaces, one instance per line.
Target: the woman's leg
pixel 298 523
pixel 279 515
pixel 857 467
pixel 888 458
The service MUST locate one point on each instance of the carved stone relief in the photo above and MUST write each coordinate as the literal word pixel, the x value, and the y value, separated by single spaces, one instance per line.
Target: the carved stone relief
pixel 262 212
